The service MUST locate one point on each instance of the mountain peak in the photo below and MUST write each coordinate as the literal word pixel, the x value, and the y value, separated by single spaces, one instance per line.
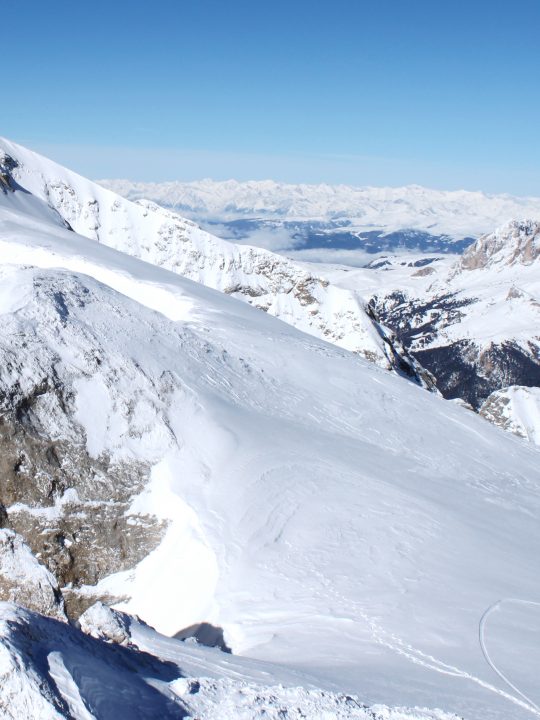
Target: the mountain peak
pixel 515 243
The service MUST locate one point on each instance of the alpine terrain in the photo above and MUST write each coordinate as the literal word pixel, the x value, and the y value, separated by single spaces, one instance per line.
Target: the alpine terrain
pixel 180 470
pixel 474 324
pixel 336 216
pixel 263 279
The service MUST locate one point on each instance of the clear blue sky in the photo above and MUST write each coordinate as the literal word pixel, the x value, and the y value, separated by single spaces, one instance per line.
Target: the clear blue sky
pixel 445 94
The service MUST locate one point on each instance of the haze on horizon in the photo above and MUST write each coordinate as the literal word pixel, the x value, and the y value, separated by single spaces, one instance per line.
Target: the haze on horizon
pixel 440 95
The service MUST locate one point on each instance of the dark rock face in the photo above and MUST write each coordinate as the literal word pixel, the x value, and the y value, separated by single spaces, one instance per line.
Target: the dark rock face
pixel 7 165
pixel 461 369
pixel 401 361
pixel 417 323
pixel 464 372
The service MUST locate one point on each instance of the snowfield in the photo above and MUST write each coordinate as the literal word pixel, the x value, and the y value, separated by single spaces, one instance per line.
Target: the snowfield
pixel 329 517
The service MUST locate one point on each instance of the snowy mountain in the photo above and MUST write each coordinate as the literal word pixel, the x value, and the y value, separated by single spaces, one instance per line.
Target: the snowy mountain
pixel 266 280
pixel 475 325
pixel 319 216
pixel 184 457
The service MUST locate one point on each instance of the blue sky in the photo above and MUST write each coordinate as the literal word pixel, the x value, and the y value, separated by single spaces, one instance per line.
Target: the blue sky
pixel 444 94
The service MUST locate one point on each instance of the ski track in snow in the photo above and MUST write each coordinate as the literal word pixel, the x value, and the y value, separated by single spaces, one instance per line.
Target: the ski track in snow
pixel 416 656
pixel 530 704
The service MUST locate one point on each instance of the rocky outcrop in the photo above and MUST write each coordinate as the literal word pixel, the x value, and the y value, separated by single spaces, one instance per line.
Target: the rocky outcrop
pixel 69 499
pixel 461 367
pixel 515 409
pixel 23 580
pixel 517 242
pixel 103 623
pixel 7 165
pixel 400 360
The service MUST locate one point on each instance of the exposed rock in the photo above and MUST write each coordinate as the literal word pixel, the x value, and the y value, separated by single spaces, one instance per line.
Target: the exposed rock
pixel 517 242
pixel 25 581
pixel 7 165
pixel 462 403
pixel 70 507
pixel 399 359
pixel 71 503
pixel 424 271
pixel 515 409
pixel 103 623
pixel 468 362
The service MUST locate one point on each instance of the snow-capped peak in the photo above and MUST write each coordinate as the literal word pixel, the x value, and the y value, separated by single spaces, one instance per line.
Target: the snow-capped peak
pixel 516 242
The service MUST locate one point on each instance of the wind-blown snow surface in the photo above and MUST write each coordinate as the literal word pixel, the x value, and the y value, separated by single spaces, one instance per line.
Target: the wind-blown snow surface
pixel 458 214
pixel 325 514
pixel 144 230
pixel 51 671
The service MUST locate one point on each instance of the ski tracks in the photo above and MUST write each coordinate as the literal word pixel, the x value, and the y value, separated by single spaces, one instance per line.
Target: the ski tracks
pixel 530 704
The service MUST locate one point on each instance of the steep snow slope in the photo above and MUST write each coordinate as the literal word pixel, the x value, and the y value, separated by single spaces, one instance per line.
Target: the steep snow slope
pixel 458 214
pixel 476 325
pixel 265 280
pixel 51 671
pixel 516 409
pixel 321 511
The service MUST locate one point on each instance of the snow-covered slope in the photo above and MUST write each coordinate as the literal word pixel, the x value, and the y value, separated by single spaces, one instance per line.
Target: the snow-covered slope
pixel 458 214
pixel 193 460
pixel 475 326
pixel 263 279
pixel 516 409
pixel 130 672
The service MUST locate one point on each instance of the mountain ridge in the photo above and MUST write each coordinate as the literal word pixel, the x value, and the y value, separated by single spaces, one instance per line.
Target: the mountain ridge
pixel 259 277
pixel 457 213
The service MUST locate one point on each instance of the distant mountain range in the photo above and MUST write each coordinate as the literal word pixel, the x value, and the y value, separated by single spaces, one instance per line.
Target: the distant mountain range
pixel 339 217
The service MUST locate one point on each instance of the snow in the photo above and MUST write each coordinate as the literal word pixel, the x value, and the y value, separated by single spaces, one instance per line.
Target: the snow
pixel 51 672
pixel 328 516
pixel 67 687
pixel 24 580
pixel 144 230
pixel 458 214
pixel 185 557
